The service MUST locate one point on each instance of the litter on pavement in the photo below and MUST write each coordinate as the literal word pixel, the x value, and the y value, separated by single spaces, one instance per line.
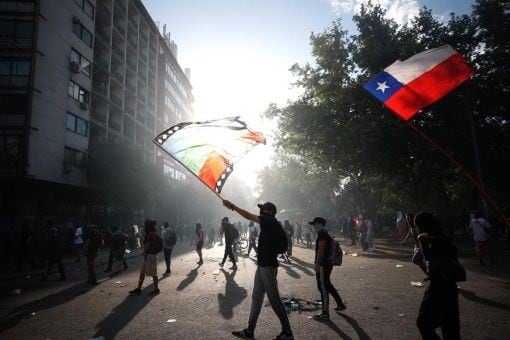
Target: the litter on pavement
pixel 299 305
pixel 16 291
pixel 416 284
pixel 401 315
pixel 399 266
pixel 118 282
pixel 354 254
pixel 171 320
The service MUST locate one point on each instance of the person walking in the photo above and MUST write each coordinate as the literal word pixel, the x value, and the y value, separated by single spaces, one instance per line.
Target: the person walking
pixel 228 230
pixel 200 242
pixel 299 233
pixel 253 234
pixel 93 242
pixel 308 236
pixel 118 245
pixel 149 267
pixel 78 242
pixel 113 242
pixel 440 304
pixel 24 247
pixel 323 268
pixel 169 240
pixel 265 281
pixel 54 250
pixel 212 235
pixel 369 233
pixel 352 229
pixel 289 230
pixel 481 234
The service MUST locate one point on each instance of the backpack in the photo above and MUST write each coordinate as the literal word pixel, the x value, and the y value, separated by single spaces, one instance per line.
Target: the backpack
pixel 170 239
pixel 235 233
pixel 157 246
pixel 335 253
pixel 280 243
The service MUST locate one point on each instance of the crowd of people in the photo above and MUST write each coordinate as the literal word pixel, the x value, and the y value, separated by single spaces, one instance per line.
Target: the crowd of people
pixel 434 253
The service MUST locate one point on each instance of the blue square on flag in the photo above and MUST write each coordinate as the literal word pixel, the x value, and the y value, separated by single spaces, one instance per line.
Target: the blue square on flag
pixel 382 86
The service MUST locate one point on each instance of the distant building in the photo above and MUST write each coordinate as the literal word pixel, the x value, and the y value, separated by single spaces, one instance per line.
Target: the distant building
pixel 74 73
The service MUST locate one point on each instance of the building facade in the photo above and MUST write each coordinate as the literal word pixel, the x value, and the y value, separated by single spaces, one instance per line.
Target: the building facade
pixel 74 74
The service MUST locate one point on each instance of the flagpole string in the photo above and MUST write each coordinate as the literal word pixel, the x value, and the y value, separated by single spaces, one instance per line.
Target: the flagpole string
pixel 477 184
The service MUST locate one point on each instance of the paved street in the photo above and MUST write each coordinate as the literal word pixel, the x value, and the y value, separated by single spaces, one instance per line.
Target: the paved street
pixel 381 302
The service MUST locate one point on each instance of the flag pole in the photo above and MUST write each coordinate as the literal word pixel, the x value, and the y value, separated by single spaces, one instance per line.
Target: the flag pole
pixel 473 180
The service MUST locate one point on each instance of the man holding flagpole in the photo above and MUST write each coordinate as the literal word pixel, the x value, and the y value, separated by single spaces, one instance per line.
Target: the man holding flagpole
pixel 267 269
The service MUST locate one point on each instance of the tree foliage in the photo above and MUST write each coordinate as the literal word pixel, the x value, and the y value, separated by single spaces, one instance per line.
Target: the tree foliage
pixel 338 129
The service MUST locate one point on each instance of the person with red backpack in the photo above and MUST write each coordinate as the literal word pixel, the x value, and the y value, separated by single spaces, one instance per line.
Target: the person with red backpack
pixel 153 245
pixel 272 241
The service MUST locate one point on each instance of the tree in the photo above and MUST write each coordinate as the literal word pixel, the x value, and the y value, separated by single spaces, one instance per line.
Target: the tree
pixel 337 126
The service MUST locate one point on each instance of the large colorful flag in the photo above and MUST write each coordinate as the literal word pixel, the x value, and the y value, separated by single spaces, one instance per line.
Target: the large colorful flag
pixel 407 86
pixel 209 149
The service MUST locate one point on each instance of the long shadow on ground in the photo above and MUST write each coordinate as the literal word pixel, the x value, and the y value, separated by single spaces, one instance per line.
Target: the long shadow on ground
pixel 47 302
pixel 122 315
pixel 473 297
pixel 192 275
pixel 234 295
pixel 354 324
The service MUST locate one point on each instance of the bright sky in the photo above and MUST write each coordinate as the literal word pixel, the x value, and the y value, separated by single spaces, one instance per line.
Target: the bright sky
pixel 239 51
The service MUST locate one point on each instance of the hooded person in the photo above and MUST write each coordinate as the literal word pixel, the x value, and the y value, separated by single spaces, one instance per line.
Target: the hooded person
pixel 323 268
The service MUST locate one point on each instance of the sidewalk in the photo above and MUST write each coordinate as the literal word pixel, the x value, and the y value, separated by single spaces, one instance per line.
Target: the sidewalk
pixel 7 274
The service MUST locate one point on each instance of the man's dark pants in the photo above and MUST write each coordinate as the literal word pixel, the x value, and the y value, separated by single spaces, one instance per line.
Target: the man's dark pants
pixel 91 267
pixel 168 255
pixel 229 253
pixel 325 287
pixel 110 261
pixel 56 259
pixel 439 309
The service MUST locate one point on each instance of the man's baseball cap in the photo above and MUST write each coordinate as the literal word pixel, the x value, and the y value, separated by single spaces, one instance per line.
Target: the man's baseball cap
pixel 225 219
pixel 268 206
pixel 318 220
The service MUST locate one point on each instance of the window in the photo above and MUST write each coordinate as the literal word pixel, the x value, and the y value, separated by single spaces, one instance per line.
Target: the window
pixel 14 67
pixel 77 124
pixel 10 29
pixel 80 60
pixel 14 103
pixel 78 93
pixel 74 157
pixel 87 7
pixel 81 32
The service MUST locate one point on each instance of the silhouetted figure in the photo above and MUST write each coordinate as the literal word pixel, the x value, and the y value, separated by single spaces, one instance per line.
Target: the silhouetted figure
pixel 227 230
pixel 24 247
pixel 54 247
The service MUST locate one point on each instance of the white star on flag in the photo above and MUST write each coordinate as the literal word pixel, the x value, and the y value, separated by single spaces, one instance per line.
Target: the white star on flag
pixel 382 86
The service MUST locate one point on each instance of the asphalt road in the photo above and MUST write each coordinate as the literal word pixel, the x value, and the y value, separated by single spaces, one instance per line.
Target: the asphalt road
pixel 381 302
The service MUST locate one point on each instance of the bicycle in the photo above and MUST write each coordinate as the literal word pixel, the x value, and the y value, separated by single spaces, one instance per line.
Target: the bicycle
pixel 243 243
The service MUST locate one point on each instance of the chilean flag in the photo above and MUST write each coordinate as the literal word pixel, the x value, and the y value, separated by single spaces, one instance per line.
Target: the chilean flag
pixel 405 87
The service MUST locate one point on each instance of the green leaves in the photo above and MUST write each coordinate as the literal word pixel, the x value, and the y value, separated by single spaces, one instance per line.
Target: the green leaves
pixel 335 124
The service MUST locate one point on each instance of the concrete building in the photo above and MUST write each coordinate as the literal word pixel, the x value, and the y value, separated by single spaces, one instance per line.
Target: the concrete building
pixel 74 73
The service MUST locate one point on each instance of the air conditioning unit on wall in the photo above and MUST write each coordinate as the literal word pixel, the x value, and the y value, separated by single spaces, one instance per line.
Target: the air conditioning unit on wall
pixel 75 67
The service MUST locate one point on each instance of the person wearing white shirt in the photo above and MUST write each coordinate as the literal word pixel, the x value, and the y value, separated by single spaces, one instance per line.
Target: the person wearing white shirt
pixel 481 234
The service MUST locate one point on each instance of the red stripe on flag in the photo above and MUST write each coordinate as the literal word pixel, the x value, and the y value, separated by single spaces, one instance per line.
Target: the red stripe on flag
pixel 429 87
pixel 212 169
